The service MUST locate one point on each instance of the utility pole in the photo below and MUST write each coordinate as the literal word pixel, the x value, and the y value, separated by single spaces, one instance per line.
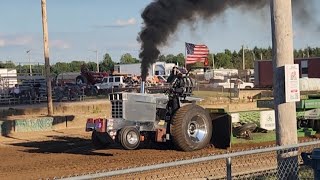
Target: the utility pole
pixel 254 56
pixel 29 58
pixel 285 112
pixel 46 56
pixel 97 60
pixel 212 61
pixel 243 60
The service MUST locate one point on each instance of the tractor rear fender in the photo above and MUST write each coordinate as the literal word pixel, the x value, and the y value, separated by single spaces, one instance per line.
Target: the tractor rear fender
pixel 221 128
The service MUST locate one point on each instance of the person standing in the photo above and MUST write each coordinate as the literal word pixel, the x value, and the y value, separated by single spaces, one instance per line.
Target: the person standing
pixel 236 88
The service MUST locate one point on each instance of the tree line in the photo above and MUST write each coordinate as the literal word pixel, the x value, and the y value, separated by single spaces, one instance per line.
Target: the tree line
pixel 226 59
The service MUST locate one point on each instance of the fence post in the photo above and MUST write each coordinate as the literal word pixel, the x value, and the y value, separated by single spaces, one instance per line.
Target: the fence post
pixel 228 165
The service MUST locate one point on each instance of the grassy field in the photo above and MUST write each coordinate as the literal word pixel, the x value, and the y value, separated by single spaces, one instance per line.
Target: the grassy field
pixel 269 136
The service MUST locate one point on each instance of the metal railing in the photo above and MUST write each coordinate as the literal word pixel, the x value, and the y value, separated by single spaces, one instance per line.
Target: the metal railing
pixel 259 163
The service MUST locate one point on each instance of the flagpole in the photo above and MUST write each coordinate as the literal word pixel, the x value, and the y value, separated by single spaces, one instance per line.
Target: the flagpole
pixel 212 60
pixel 185 55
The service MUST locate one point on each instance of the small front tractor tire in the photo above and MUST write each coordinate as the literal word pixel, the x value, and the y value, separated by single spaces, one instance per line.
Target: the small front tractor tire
pixel 129 138
pixel 191 128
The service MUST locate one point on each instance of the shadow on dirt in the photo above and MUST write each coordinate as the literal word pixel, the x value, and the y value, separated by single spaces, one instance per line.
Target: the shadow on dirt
pixel 81 146
pixel 62 144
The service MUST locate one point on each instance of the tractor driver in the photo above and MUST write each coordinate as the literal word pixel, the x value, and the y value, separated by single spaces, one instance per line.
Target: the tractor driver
pixel 173 75
pixel 176 81
pixel 177 89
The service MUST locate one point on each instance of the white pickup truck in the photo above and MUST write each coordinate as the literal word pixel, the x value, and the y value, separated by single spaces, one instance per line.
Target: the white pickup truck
pixel 111 82
pixel 230 84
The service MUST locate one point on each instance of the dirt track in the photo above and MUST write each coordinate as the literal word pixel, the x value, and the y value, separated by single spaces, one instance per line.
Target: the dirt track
pixel 68 152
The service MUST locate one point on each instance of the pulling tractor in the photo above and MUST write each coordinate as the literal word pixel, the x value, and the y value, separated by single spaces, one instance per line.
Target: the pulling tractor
pixel 171 116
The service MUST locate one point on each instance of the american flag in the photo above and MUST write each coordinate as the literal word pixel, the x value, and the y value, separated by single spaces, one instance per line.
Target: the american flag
pixel 196 53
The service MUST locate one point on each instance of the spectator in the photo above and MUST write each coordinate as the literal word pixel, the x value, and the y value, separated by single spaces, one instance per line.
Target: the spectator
pixel 236 88
pixel 15 91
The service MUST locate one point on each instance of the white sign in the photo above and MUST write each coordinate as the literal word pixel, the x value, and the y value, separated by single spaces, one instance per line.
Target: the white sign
pixel 235 117
pixel 267 120
pixel 312 114
pixel 292 88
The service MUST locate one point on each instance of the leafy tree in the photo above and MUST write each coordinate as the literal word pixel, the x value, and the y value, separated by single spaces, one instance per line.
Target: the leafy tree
pixel 162 58
pixel 210 59
pixel 7 64
pixel 128 59
pixel 75 66
pixel 267 53
pixel 107 64
pixel 249 59
pixel 92 66
pixel 60 67
pixel 228 52
pixel 257 53
pixel 223 60
pixel 170 58
pixel 180 59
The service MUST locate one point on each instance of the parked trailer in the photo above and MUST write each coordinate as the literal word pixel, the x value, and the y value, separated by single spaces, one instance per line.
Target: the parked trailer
pixel 263 70
pixel 308 110
pixel 174 116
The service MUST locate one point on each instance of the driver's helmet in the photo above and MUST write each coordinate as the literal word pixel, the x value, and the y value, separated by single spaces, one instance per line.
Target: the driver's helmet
pixel 175 71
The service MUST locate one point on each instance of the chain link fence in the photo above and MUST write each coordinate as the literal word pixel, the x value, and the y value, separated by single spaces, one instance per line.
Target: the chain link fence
pixel 276 162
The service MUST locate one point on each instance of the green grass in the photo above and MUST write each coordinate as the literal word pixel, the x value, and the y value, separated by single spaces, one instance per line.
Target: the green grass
pixel 269 136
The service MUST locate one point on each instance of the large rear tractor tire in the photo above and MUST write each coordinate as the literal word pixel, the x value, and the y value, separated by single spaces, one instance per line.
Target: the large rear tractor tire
pixel 191 128
pixel 98 140
pixel 129 138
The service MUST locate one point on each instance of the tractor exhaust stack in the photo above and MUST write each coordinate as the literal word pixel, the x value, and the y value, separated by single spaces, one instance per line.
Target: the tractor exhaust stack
pixel 142 88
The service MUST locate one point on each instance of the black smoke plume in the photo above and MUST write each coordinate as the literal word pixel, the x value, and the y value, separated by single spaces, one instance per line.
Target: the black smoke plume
pixel 162 18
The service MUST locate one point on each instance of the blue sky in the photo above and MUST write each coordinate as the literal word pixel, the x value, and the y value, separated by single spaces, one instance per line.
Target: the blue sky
pixel 76 27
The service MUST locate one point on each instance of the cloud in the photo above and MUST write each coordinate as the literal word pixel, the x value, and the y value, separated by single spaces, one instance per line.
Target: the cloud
pixel 20 40
pixel 2 43
pixel 60 44
pixel 120 23
pixel 131 21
